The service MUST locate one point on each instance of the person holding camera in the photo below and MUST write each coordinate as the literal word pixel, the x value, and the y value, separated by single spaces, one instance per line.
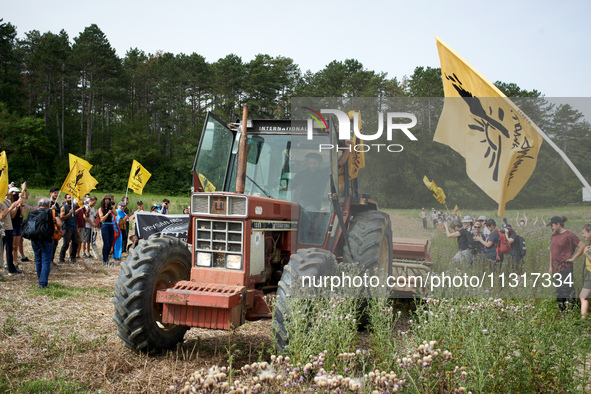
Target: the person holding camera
pixel 68 213
pixel 163 209
pixel 106 214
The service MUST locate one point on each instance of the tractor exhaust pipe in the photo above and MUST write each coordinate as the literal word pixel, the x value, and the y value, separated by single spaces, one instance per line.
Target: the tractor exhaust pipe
pixel 241 167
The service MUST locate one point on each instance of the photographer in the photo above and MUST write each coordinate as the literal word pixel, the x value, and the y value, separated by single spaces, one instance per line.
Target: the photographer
pixel 163 209
pixel 106 214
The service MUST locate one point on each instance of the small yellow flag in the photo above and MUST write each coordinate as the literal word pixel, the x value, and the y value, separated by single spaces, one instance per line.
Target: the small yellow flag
pixel 207 186
pixel 3 175
pixel 78 182
pixel 83 163
pixel 500 143
pixel 138 177
pixel 437 191
pixel 356 159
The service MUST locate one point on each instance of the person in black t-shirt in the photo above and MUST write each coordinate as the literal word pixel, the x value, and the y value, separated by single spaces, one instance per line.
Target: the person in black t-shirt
pixel 514 257
pixel 464 238
pixel 477 248
pixel 491 244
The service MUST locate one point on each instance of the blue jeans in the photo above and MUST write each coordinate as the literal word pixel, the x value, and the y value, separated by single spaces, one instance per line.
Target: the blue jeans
pixel 108 234
pixel 43 255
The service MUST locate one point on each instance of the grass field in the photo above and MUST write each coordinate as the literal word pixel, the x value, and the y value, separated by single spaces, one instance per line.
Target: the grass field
pixel 63 339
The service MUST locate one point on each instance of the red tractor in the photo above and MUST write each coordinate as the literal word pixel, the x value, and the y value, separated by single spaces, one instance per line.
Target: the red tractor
pixel 267 207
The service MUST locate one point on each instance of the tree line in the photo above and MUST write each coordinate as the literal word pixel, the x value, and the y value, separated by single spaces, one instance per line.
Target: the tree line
pixel 60 95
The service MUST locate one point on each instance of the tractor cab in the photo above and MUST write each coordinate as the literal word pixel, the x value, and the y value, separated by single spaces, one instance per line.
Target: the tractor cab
pixel 281 164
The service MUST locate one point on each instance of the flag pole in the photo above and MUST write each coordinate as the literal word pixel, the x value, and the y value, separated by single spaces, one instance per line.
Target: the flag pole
pixel 563 155
pixel 126 191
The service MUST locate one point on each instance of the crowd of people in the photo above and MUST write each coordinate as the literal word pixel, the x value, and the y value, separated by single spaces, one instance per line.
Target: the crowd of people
pixel 75 223
pixel 480 241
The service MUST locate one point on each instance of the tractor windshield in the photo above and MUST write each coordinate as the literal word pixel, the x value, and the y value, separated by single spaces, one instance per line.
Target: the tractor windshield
pixel 288 167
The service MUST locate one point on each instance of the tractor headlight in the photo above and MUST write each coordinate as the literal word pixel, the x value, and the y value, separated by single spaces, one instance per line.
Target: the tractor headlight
pixel 233 261
pixel 203 259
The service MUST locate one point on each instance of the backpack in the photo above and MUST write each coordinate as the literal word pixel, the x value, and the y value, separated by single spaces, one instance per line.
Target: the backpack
pixel 38 226
pixel 97 220
pixel 521 249
pixel 57 234
pixel 503 246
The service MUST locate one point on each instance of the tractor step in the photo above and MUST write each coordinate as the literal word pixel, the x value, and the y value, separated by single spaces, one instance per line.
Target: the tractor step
pixel 205 305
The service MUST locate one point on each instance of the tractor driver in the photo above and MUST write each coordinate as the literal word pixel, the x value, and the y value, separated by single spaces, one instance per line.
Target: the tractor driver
pixel 311 182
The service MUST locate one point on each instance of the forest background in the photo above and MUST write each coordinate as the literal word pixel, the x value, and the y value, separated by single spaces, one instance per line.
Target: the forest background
pixel 60 96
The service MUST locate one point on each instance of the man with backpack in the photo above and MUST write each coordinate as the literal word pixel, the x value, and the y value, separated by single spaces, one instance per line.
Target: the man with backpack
pixel 517 248
pixel 39 228
pixel 495 245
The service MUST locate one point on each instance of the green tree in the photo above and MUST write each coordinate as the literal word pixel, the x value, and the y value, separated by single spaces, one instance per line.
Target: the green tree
pixel 98 69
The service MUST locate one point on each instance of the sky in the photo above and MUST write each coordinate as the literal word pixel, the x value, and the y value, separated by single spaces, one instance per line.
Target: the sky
pixel 538 45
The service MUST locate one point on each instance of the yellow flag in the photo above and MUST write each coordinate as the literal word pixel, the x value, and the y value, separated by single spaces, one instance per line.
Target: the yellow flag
pixel 83 163
pixel 356 159
pixel 498 141
pixel 79 182
pixel 138 177
pixel 208 187
pixel 437 191
pixel 3 175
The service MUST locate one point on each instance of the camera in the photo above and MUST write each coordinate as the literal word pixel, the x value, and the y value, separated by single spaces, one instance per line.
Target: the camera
pixel 110 205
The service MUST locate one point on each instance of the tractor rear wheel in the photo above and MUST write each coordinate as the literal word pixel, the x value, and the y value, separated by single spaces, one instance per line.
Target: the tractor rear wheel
pixel 155 264
pixel 370 238
pixel 306 262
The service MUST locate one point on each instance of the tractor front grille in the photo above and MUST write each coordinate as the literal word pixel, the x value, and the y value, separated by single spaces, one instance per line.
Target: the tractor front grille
pixel 219 236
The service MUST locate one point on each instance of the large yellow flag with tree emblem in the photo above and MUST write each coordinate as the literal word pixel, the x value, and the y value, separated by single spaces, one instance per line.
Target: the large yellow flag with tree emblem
pixel 498 141
pixel 3 175
pixel 79 182
pixel 138 177
pixel 81 162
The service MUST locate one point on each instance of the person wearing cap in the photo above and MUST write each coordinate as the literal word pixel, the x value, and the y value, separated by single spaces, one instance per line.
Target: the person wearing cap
pixel 477 247
pixel 482 220
pixel 491 243
pixel 8 210
pixel 464 239
pixel 565 248
pixel 17 222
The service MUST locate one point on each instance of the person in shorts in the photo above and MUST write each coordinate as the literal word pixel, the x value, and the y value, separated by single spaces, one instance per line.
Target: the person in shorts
pixel 88 226
pixel 586 290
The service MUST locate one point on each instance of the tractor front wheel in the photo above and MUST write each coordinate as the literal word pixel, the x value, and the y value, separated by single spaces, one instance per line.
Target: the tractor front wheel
pixel 155 264
pixel 306 262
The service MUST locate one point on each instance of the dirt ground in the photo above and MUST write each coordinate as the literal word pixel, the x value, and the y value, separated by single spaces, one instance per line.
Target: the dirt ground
pixel 66 335
pixel 64 339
